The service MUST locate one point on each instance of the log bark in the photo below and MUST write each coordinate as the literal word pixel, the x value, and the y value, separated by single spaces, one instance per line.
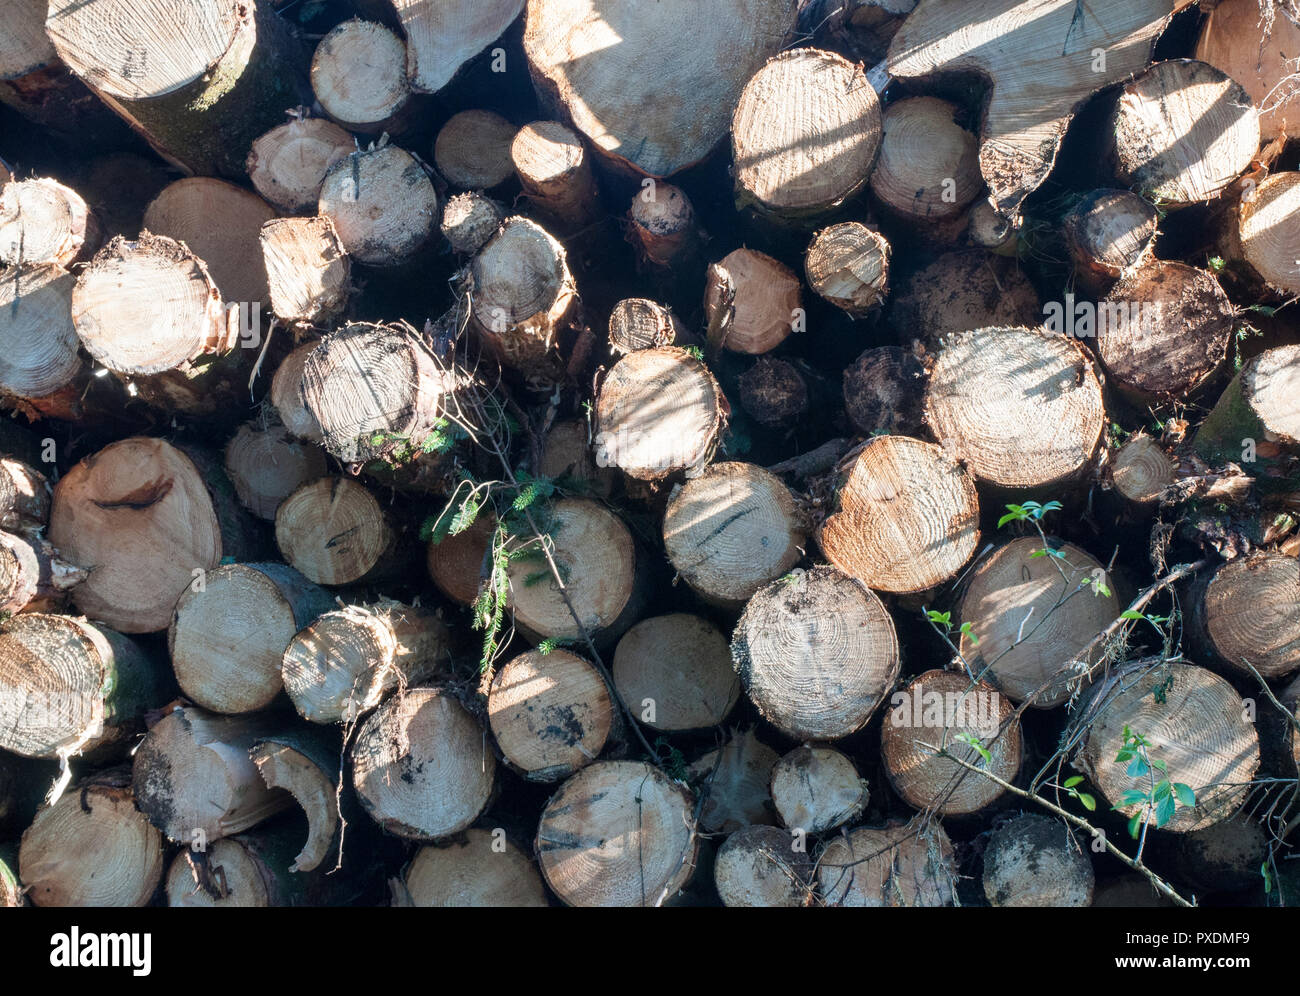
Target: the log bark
pixel 662 227
pixel 42 371
pixel 383 205
pixel 732 530
pixel 472 150
pixel 198 80
pixel 738 784
pixel 773 393
pixel 42 221
pixel 287 398
pixel 422 767
pixel 1020 408
pixel 907 517
pixel 308 274
pixel 1232 42
pixel 305 763
pixel 1248 610
pixel 893 865
pixel 618 833
pixel 963 290
pixel 193 776
pixel 334 531
pixel 848 265
pixel 483 870
pixel 674 672
pixel 659 411
pixel 469 220
pixel 441 37
pixel 287 164
pixel 1008 598
pixel 639 323
pixel 816 789
pixel 759 867
pixel 342 664
pixel 817 654
pixel 1108 233
pixel 605 90
pixel 555 174
pixel 1035 861
pixel 33 577
pixel 24 496
pixel 1181 132
pixel 266 465
pixel 883 392
pixel 1262 236
pixel 71 686
pixel 358 73
pixel 227 641
pixel 91 848
pixel 751 302
pixel 551 714
pixel 934 709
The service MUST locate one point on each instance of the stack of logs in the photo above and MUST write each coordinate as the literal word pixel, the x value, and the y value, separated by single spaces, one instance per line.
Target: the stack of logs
pixel 410 496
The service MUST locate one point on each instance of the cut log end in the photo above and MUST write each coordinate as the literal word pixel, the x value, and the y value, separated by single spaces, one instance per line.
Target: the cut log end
pixel 287 165
pixel 470 220
pixel 307 271
pixel 848 265
pixel 1108 233
pixel 662 226
pixel 1141 470
pixel 333 531
pixel 675 672
pixel 883 391
pixel 929 169
pixel 894 865
pixel 1034 861
pixel 1250 611
pixel 816 789
pixel 773 392
pixel 358 74
pixel 382 203
pixel 752 301
pixel 42 221
pixel 472 150
pixel 483 870
pixel 761 867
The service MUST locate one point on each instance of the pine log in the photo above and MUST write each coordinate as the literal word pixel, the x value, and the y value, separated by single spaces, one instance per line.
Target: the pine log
pixel 760 867
pixel 817 654
pixel 483 870
pixel 469 220
pixel 472 150
pixel 550 713
pixel 893 865
pixel 1162 331
pixel 193 776
pixel 604 88
pixel 1036 861
pixel 658 411
pixel 358 73
pixel 569 459
pixel 69 685
pixel 556 176
pixel 736 785
pixel 307 271
pixel 1020 408
pixel 848 265
pixel 266 465
pixel 1181 132
pixel 883 391
pixel 24 496
pixel 382 203
pixel 42 221
pixel 1008 602
pixel 228 639
pixel 929 170
pixel 674 672
pixel 773 392
pixel 1248 612
pixel 1263 236
pixel 42 370
pixel 335 532
pixel 618 833
pixel 639 323
pixel 732 530
pixel 91 848
pixel 343 663
pixel 1262 62
pixel 305 763
pixel 457 564
pixel 443 35
pixel 752 302
pixel 219 223
pixel 1257 416
pixel 1197 727
pixel 248 870
pixel 33 577
pixel 959 291
pixel 937 709
pixel 287 164
pixel 1140 470
pixel 421 765
pixel 287 398
pixel 1108 233
pixel 662 227
pixel 816 789
pixel 907 517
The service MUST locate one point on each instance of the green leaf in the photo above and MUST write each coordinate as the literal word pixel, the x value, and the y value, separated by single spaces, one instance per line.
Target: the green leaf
pixel 1124 755
pixel 1184 794
pixel 1138 768
pixel 974 741
pixel 1071 782
pixel 1161 791
pixel 1267 874
pixel 1131 798
pixel 1130 614
pixel 1161 765
pixel 1089 803
pixel 1038 553
pixel 1164 810
pixel 1134 823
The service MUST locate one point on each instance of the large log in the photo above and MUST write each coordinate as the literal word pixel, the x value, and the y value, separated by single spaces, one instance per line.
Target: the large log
pixel 42 370
pixel 674 672
pixel 483 870
pixel 442 35
pixel 1262 62
pixel 382 203
pixel 358 73
pixel 894 865
pixel 1035 861
pixel 1247 614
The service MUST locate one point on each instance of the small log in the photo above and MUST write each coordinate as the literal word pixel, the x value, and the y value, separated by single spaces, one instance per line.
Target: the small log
pixel 893 865
pixel 1108 233
pixel 816 653
pixel 24 496
pixel 421 765
pixel 662 227
pixel 1263 237
pixel 457 563
pixel 219 223
pixel 554 171
pixel 287 398
pixel 1181 132
pixel 193 776
pixel 1248 612
pixel 732 530
pixel 1256 416
pixel 1197 727
pixel 639 323
pixel 674 672
pixel 550 713
pixel 658 411
pixel 569 458
pixel 773 392
pixel 344 662
pixel 232 667
pixel 618 833
pixel 816 789
pixel 358 73
pixel 469 220
pixel 472 150
pixel 307 272
pixel 1035 861
pixel 443 35
pixel 266 465
pixel 33 578
pixel 42 370
pixel 42 221
pixel 848 265
pixel 383 205
pixel 251 870
pixel 751 302
pixel 907 518
pixel 936 709
pixel 1007 599
pixel 91 848
pixel 737 784
pixel 482 870
pixel 1232 42
pixel 334 531
pixel 1020 408
pixel 760 867
pixel 287 164
pixel 804 135
pixel 198 79
pixel 1140 470
pixel 305 763
pixel 959 291
pixel 883 391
